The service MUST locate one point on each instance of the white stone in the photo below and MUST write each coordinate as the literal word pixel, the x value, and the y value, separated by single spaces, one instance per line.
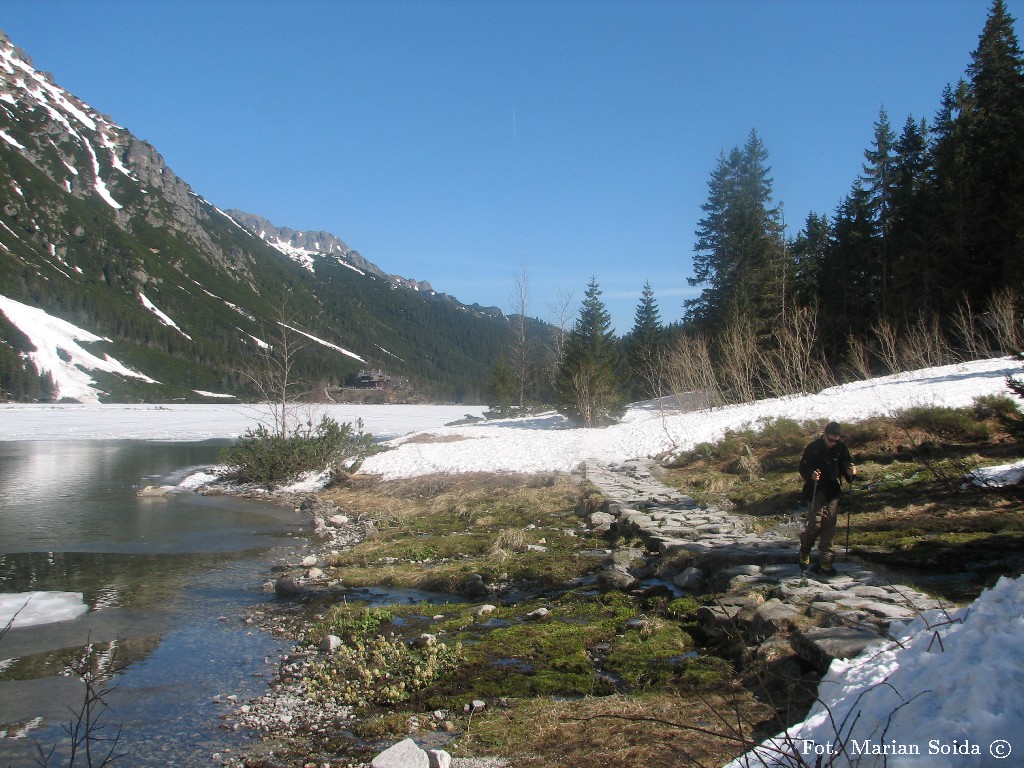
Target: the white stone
pixel 404 754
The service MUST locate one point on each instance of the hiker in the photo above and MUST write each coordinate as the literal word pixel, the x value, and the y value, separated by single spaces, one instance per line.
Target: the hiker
pixel 825 461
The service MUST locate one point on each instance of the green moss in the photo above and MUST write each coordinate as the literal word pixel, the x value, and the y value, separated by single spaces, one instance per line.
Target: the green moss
pixel 648 656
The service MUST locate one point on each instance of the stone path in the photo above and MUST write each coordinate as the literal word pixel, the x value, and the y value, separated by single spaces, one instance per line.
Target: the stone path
pixel 765 597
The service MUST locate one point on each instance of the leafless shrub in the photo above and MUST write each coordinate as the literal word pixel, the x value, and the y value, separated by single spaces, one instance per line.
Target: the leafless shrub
pixel 790 365
pixel 90 744
pixel 858 356
pixel 887 336
pixel 971 338
pixel 1003 320
pixel 924 345
pixel 738 355
pixel 689 373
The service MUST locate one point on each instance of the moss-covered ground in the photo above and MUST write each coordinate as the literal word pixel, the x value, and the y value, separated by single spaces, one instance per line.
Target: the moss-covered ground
pixel 571 674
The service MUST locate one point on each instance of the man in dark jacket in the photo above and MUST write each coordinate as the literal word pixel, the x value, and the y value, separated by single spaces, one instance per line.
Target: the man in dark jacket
pixel 825 461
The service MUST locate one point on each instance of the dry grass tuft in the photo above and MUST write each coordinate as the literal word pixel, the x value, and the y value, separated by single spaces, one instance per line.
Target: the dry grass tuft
pixel 657 731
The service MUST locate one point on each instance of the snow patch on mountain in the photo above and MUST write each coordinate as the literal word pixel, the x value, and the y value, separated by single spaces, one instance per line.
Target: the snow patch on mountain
pixel 161 316
pixel 321 342
pixel 58 351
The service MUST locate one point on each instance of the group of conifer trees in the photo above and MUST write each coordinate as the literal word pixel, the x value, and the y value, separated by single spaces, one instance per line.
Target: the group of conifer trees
pixel 931 233
pixel 922 263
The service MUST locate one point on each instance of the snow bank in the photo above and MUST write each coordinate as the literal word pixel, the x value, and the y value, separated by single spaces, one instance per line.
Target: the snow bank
pixel 946 692
pixel 546 442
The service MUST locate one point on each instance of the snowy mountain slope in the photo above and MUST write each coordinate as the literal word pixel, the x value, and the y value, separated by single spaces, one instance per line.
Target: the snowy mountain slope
pixel 97 231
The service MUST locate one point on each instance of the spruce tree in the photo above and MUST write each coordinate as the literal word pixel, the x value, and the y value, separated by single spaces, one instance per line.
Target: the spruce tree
pixel 849 286
pixel 644 347
pixel 590 386
pixel 879 182
pixel 739 250
pixel 809 252
pixel 501 388
pixel 914 280
pixel 996 153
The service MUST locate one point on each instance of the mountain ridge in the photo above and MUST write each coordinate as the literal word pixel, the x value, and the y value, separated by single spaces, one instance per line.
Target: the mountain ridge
pixel 97 230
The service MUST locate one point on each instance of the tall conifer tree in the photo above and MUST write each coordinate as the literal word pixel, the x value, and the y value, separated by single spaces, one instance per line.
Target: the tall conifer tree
pixel 996 151
pixel 590 386
pixel 644 346
pixel 739 249
pixel 879 182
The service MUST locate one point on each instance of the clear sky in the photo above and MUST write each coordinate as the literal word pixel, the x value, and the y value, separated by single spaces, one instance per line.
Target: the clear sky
pixel 462 142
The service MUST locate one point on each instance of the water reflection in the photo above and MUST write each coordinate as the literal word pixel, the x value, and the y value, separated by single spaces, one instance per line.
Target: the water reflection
pixel 82 496
pixel 165 582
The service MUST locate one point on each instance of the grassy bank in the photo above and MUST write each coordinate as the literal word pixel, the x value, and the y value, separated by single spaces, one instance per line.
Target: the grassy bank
pixel 563 669
pixel 911 510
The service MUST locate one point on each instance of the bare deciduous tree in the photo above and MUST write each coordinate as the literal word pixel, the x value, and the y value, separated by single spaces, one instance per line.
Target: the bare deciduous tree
pixel 887 335
pixel 561 320
pixel 272 374
pixel 1003 321
pixel 791 364
pixel 520 352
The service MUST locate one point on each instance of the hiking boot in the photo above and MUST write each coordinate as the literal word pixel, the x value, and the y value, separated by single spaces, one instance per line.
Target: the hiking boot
pixel 822 570
pixel 804 558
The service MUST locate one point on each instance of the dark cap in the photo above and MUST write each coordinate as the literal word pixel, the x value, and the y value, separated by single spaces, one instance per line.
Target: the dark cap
pixel 833 428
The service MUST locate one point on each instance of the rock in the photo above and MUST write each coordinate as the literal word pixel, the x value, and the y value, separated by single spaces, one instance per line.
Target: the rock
pixel 338 521
pixel 485 609
pixel 601 522
pixel 538 615
pixel 474 586
pixel 309 561
pixel 330 644
pixel 155 491
pixel 404 754
pixel 286 586
pixel 439 758
pixel 616 578
pixel 821 646
pixel 690 580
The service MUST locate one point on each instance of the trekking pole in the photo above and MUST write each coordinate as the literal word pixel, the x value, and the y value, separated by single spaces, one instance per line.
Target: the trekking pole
pixel 850 494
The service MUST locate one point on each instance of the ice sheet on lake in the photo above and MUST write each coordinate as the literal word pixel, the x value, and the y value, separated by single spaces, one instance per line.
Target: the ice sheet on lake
pixel 30 608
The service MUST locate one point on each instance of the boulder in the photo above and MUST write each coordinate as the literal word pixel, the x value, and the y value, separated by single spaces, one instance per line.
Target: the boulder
pixel 286 586
pixel 330 644
pixel 474 586
pixel 404 754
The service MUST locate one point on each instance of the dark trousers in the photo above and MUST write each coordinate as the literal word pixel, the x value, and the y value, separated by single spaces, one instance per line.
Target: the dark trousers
pixel 821 526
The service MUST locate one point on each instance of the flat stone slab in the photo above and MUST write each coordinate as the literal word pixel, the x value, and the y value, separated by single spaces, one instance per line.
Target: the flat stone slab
pixel 820 646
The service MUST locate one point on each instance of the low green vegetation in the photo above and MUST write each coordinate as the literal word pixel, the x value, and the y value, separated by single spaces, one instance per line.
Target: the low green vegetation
pixel 269 458
pixel 567 668
pixel 546 647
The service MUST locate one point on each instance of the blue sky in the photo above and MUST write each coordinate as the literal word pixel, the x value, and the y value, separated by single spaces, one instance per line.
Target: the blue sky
pixel 462 142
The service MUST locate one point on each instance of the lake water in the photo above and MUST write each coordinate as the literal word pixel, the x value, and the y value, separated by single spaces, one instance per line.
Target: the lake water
pixel 164 581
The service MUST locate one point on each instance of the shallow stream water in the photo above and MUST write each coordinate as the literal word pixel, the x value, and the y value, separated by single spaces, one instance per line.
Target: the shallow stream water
pixel 164 582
